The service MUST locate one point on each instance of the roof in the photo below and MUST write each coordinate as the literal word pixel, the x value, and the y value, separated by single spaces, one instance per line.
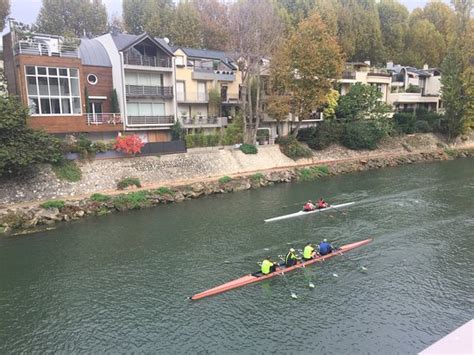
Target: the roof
pixel 124 40
pixel 207 54
pixel 92 52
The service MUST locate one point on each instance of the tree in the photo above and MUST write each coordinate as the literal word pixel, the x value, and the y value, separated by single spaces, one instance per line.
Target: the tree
pixel 306 65
pixel 393 21
pixel 424 45
pixel 256 29
pixel 215 24
pixel 361 102
pixel 457 79
pixel 72 18
pixel 21 147
pixel 441 16
pixel 329 109
pixel 151 16
pixel 186 26
pixel 4 12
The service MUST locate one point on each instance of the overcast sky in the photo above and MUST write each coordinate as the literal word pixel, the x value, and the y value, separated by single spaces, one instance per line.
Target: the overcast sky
pixel 26 11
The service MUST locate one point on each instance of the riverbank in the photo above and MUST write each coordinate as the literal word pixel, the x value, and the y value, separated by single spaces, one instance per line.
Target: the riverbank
pixel 31 216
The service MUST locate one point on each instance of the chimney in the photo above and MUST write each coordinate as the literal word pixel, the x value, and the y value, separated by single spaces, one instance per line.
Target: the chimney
pixel 425 66
pixel 367 62
pixel 390 65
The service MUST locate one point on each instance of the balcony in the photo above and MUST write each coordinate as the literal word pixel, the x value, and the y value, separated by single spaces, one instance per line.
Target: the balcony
pixel 192 97
pixel 103 119
pixel 147 61
pixel 203 121
pixel 349 75
pixel 163 92
pixel 33 47
pixel 203 73
pixel 144 121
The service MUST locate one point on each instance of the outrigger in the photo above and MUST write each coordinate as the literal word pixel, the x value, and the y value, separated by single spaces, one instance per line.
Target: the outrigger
pixel 304 213
pixel 280 270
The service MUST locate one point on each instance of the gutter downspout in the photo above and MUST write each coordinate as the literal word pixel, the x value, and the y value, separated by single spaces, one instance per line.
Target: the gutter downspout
pixel 122 87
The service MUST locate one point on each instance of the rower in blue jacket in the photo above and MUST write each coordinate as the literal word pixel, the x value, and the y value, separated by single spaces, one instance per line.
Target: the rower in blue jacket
pixel 325 247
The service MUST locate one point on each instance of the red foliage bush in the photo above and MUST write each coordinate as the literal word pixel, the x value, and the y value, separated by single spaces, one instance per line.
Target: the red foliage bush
pixel 129 144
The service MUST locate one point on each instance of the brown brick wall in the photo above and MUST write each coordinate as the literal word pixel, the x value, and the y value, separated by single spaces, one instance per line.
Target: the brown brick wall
pixel 103 87
pixel 69 124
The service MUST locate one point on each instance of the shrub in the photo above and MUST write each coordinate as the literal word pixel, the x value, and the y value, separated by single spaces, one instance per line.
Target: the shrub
pixel 129 144
pixel 306 134
pixel 122 184
pixel 133 200
pixel 413 89
pixel 423 127
pixel 256 177
pixel 67 170
pixel 177 131
pixel 293 149
pixel 163 191
pixel 53 204
pixel 325 134
pixel 248 148
pixel 363 134
pixel 312 173
pixel 202 140
pixel 404 122
pixel 100 198
pixel 453 153
pixel 225 179
pixel 234 132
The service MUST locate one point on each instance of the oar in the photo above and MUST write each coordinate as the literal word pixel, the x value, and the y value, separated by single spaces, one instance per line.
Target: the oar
pixel 310 284
pixel 293 295
pixel 362 268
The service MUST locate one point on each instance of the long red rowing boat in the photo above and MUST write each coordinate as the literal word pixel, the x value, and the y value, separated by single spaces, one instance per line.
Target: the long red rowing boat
pixel 251 278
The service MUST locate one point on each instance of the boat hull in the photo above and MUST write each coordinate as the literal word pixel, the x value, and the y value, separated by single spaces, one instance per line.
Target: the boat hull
pixel 303 213
pixel 250 279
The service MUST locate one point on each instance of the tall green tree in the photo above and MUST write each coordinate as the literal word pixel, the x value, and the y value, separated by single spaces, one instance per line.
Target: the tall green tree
pixel 152 16
pixel 393 18
pixel 72 17
pixel 4 12
pixel 185 29
pixel 441 16
pixel 305 66
pixel 424 45
pixel 361 102
pixel 215 24
pixel 457 80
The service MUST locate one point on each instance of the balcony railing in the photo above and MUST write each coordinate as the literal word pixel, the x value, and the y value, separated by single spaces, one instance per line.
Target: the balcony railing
pixel 202 121
pixel 349 75
pixel 149 120
pixel 204 73
pixel 165 92
pixel 103 118
pixel 192 97
pixel 41 48
pixel 147 61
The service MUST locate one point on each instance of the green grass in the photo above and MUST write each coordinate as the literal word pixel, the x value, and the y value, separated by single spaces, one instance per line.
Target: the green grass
pixel 225 179
pixel 133 200
pixel 248 148
pixel 312 173
pixel 53 204
pixel 164 191
pixel 68 170
pixel 453 153
pixel 122 184
pixel 100 198
pixel 256 177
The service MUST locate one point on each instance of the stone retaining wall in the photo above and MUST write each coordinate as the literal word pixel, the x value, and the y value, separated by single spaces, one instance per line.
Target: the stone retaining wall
pixel 27 219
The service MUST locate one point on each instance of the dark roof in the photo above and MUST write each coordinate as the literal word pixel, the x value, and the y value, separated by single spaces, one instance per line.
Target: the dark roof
pixel 124 40
pixel 207 54
pixel 92 52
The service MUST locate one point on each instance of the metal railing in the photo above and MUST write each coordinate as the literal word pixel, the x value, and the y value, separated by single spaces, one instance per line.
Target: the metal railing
pixel 149 120
pixel 40 48
pixel 165 92
pixel 147 61
pixel 204 121
pixel 192 97
pixel 103 118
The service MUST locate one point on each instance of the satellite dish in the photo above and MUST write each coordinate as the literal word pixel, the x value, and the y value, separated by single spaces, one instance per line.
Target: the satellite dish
pixel 167 40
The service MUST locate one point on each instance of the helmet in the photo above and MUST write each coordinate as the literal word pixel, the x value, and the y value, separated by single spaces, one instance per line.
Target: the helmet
pixel 308 243
pixel 292 250
pixel 325 240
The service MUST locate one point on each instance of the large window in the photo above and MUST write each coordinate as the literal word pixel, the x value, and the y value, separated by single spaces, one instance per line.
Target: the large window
pixel 53 91
pixel 145 109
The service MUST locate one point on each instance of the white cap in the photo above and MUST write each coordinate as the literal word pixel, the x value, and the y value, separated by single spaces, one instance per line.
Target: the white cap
pixel 325 240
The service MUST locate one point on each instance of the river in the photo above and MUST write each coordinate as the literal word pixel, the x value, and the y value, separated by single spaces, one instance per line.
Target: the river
pixel 119 283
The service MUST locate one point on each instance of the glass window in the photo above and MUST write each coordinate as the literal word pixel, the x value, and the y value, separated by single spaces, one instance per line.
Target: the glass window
pixel 32 88
pixel 30 71
pixel 50 94
pixel 45 108
pixel 179 60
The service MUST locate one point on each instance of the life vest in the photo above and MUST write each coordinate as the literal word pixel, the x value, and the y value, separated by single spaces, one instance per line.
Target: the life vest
pixel 321 204
pixel 266 266
pixel 308 207
pixel 290 257
pixel 308 252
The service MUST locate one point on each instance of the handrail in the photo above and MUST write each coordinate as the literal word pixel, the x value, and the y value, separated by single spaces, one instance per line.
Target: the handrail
pixel 103 118
pixel 144 90
pixel 149 120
